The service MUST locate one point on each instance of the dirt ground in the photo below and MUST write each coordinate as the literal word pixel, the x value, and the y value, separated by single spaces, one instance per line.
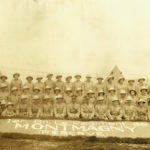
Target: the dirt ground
pixel 15 144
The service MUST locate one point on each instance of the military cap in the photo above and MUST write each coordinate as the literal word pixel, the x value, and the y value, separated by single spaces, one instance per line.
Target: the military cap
pixel 9 104
pixel 57 88
pixel 79 89
pixel 77 75
pixel 35 97
pixel 141 79
pixel 68 89
pixel 4 76
pixel 3 102
pixel 14 89
pixel 122 91
pixel 90 92
pixel 73 95
pixel 101 91
pixel 29 77
pixel 49 75
pixel 16 74
pixel 111 89
pixel 23 97
pixel 99 77
pixel 115 98
pixel 129 98
pixel 36 88
pixel 46 97
pixel 39 78
pixel 143 88
pixel 121 78
pixel 110 77
pixel 141 101
pixel 48 87
pixel 88 76
pixel 58 76
pixel 25 87
pixel 59 97
pixel 131 80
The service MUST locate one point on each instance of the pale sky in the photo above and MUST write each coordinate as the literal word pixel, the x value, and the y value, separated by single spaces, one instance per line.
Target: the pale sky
pixel 75 36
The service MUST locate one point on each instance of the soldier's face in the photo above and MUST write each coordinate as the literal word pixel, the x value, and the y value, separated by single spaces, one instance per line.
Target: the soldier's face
pixel 128 102
pixel 142 104
pixel 49 77
pixel 110 80
pixel 26 90
pixel 73 99
pixel 3 79
pixel 101 102
pixel 15 92
pixel 36 91
pixel 78 78
pixel 123 95
pixel 59 78
pixel 88 79
pixel 16 77
pixel 133 93
pixel 24 101
pixel 112 92
pixel 29 79
pixel 121 81
pixel 79 92
pixel 47 90
pixel 144 91
pixel 68 92
pixel 10 107
pixel 99 80
pixel 57 91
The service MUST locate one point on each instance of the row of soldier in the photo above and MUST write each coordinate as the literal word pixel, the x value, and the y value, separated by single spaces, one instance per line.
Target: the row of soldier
pixel 78 99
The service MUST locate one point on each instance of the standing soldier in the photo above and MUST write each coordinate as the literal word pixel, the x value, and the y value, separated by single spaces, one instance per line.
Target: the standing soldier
pixel 115 110
pixel 29 83
pixel 101 108
pixel 16 82
pixel 49 82
pixel 59 83
pixel 60 107
pixel 47 107
pixel 143 94
pixel 78 84
pixel 67 96
pixel 88 84
pixel 22 108
pixel 35 109
pixel 9 111
pixel 121 85
pixel 87 109
pixel 129 109
pixel 99 85
pixel 73 109
pixel 134 96
pixel 111 95
pixel 131 85
pixel 68 83
pixel 39 84
pixel 141 110
pixel 91 96
pixel 4 81
pixel 141 83
pixel 79 94
pixel 4 93
pixel 110 84
pixel 122 96
pixel 14 96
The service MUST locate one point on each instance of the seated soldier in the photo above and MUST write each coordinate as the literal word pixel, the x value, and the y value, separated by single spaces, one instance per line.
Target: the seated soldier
pixel 47 107
pixel 4 93
pixel 49 91
pixel 9 111
pixel 79 94
pixel 73 109
pixel 2 106
pixel 111 95
pixel 91 96
pixel 101 108
pixel 141 110
pixel 59 107
pixel 67 95
pixel 57 92
pixel 122 97
pixel 35 108
pixel 115 110
pixel 22 108
pixel 134 96
pixel 37 92
pixel 143 93
pixel 87 108
pixel 129 109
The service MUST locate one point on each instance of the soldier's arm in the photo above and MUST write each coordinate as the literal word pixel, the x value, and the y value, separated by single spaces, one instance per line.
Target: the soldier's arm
pixel 17 110
pixel 68 110
pixel 109 115
pixel 82 111
pixel 64 111
pixel 4 113
pixel 39 112
pixel 93 112
pixel 78 110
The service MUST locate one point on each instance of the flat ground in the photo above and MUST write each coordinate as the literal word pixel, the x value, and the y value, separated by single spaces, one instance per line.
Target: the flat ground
pixel 24 144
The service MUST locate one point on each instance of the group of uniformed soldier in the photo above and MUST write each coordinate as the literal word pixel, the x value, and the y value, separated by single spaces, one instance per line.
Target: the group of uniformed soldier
pixel 109 100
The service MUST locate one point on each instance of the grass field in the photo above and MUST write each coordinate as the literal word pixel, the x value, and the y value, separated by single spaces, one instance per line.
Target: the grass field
pixel 11 143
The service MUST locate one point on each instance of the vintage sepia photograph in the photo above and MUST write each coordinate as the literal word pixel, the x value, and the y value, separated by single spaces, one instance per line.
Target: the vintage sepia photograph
pixel 74 74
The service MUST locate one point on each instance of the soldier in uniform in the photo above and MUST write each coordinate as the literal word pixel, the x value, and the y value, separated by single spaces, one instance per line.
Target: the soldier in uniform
pixel 79 94
pixel 22 108
pixel 47 107
pixel 39 84
pixel 26 92
pixel 91 96
pixel 87 109
pixel 143 93
pixel 73 109
pixel 57 92
pixel 88 84
pixel 14 96
pixel 29 83
pixel 78 84
pixel 141 83
pixel 134 96
pixel 48 91
pixel 122 96
pixel 68 83
pixel 36 91
pixel 35 109
pixel 131 85
pixel 67 96
pixel 99 85
pixel 9 111
pixel 110 83
pixel 4 81
pixel 111 95
pixel 60 107
pixel 115 110
pixel 141 110
pixel 3 104
pixel 121 85
pixel 16 82
pixel 129 109
pixel 4 93
pixel 49 82
pixel 101 108
pixel 59 83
